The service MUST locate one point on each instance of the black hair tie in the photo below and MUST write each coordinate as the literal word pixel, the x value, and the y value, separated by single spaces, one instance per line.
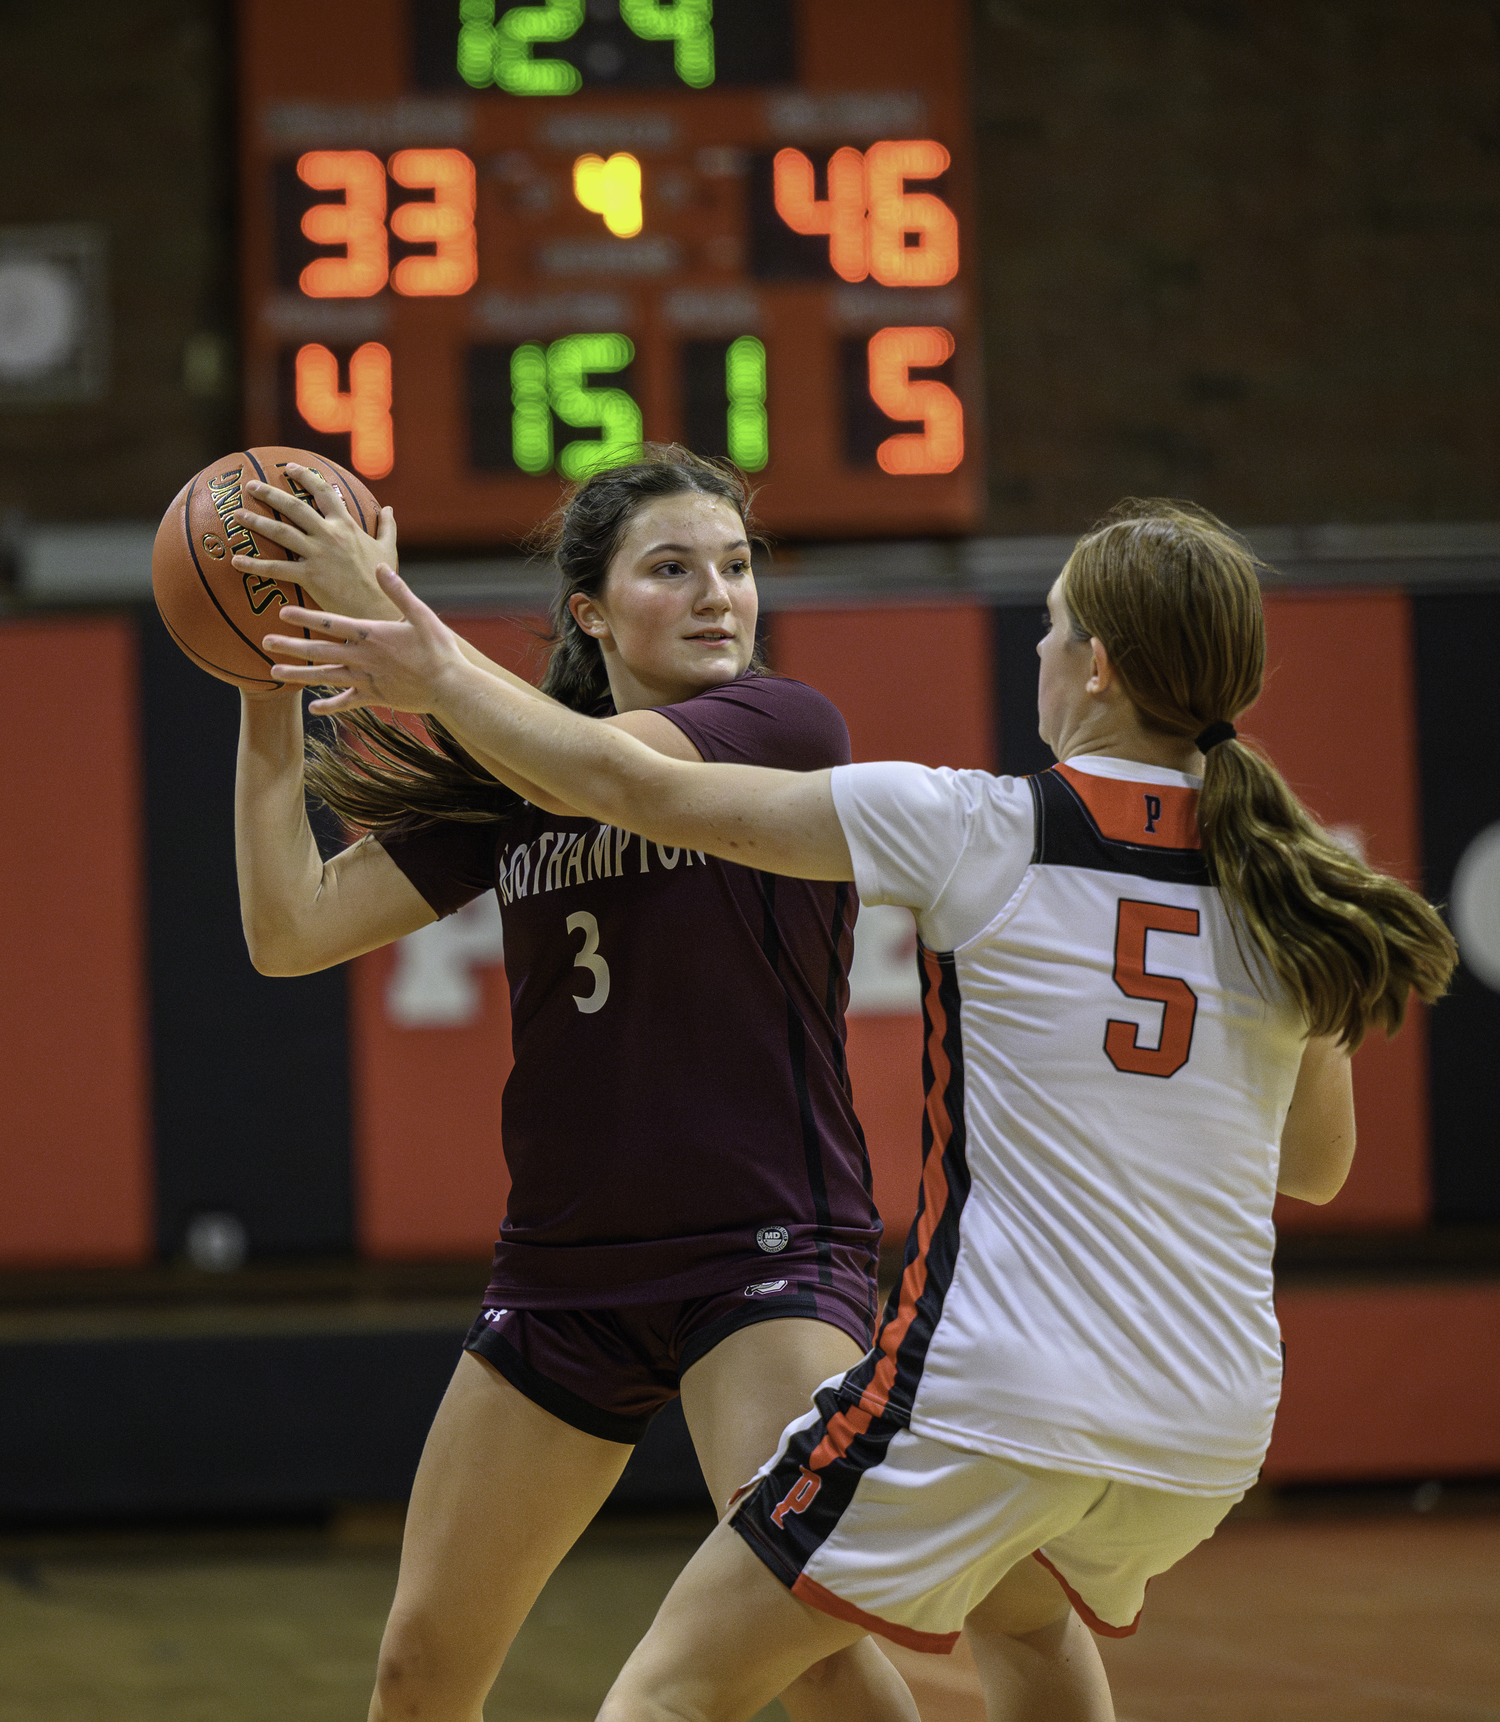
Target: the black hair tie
pixel 1214 734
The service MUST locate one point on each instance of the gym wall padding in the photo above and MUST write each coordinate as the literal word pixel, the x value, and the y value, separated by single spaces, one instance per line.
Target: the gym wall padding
pixel 250 1074
pixel 913 681
pixel 1388 1381
pixel 147 1073
pixel 1339 718
pixel 1460 741
pixel 75 1154
pixel 430 1175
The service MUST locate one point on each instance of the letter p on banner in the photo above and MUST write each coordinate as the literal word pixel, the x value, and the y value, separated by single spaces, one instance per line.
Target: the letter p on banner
pixel 798 1498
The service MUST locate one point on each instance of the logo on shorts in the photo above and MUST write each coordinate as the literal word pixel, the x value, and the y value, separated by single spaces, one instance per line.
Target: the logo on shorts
pixel 495 1314
pixel 773 1239
pixel 764 1288
pixel 798 1498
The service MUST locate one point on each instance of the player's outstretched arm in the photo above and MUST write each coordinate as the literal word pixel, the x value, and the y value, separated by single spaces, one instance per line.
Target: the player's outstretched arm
pixel 780 821
pixel 299 912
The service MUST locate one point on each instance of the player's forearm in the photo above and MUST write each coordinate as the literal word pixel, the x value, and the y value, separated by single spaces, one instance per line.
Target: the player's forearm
pixel 276 856
pixel 777 820
pixel 535 742
pixel 498 671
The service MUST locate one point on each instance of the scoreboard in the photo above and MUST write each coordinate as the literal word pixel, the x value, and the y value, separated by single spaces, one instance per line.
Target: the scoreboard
pixel 489 248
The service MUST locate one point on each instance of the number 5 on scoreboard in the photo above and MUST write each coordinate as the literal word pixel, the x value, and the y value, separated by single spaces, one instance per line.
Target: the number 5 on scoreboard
pixel 939 445
pixel 1122 1040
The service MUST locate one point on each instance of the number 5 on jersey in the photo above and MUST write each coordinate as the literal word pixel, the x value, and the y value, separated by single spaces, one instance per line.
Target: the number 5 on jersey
pixel 589 958
pixel 1122 1040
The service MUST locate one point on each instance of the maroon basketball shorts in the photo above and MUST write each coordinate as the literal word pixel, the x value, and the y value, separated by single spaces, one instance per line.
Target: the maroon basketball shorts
pixel 609 1371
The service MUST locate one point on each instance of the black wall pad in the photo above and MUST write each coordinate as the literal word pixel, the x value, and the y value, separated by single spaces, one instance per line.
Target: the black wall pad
pixel 250 1074
pixel 1458 723
pixel 1017 628
pixel 240 1423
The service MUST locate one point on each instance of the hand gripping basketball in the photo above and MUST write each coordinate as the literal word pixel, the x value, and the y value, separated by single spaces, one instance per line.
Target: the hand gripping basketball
pixel 402 665
pixel 336 553
pixel 224 563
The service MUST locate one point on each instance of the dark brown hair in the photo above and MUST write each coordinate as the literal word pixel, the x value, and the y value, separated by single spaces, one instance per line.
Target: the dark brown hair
pixel 1174 597
pixel 383 777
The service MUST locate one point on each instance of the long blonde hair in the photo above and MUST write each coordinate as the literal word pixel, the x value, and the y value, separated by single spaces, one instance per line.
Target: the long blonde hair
pixel 1173 596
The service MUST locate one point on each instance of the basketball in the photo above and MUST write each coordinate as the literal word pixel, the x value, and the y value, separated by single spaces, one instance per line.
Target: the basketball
pixel 216 614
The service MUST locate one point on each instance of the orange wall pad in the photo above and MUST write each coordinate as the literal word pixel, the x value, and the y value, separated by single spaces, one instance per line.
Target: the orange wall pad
pixel 75 1182
pixel 913 681
pixel 430 1178
pixel 1339 718
pixel 885 1067
pixel 1388 1381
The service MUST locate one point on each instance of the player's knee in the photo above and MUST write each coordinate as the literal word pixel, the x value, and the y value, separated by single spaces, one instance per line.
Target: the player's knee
pixel 410 1675
pixel 825 1673
pixel 628 1701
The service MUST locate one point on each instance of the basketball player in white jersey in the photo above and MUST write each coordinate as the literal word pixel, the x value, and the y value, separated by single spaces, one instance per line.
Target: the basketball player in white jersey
pixel 1144 972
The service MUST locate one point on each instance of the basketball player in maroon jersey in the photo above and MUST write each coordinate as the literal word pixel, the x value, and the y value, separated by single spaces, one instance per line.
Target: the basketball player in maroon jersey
pixel 690 1204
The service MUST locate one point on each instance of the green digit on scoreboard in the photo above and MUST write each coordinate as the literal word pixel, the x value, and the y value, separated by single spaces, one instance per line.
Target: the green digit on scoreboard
pixel 497 51
pixel 500 53
pixel 745 385
pixel 687 25
pixel 569 361
pixel 531 414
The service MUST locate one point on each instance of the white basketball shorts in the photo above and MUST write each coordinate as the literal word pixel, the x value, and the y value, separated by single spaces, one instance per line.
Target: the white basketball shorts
pixel 904 1535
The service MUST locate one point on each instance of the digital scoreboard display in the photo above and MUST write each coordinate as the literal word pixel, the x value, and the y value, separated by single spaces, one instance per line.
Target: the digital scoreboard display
pixel 488 248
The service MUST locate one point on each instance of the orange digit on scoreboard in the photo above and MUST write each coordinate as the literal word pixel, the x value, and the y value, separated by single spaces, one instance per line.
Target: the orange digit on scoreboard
pixel 895 212
pixel 939 445
pixel 447 223
pixel 841 215
pixel 358 223
pixel 364 412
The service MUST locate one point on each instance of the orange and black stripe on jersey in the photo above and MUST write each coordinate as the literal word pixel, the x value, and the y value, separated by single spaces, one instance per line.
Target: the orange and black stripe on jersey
pixel 800 1502
pixel 1149 830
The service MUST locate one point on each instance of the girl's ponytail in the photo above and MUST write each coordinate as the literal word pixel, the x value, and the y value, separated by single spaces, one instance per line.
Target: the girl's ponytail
pixel 1349 944
pixel 1174 598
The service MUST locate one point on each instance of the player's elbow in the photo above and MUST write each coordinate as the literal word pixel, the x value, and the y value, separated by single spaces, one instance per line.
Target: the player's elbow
pixel 272 952
pixel 1316 1191
pixel 1315 1172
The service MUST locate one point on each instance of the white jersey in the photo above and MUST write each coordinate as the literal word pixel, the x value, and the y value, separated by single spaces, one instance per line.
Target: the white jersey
pixel 1088 1282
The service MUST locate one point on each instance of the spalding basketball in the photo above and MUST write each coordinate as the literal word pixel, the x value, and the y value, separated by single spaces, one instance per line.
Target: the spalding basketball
pixel 216 614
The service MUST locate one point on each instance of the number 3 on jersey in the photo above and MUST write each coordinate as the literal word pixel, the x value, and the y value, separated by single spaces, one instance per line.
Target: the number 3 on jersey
pixel 589 958
pixel 1122 1044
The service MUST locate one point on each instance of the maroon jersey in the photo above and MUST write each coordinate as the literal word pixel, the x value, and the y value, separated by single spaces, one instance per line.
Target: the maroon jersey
pixel 678 1120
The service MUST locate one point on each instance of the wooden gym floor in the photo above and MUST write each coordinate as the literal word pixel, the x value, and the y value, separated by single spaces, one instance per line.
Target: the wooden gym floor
pixel 1338 1611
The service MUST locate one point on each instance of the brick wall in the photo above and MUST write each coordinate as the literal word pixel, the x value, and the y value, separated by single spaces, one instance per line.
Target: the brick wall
pixel 122 115
pixel 1243 253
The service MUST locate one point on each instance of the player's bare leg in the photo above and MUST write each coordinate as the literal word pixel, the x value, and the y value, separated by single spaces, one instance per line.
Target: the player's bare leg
pixel 726 1641
pixel 1037 1661
pixel 503 1492
pixel 737 1401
